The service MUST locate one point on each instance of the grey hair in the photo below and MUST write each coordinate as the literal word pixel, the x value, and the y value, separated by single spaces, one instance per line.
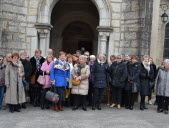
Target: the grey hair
pixel 87 52
pixel 145 56
pixel 82 57
pixel 119 56
pixel 166 61
pixel 23 52
pixel 93 56
pixel 102 54
pixel 49 56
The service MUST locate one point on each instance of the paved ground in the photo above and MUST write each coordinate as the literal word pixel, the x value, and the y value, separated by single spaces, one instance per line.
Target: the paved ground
pixel 106 118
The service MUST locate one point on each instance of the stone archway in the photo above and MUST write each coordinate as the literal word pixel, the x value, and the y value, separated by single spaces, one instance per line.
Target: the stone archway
pixel 44 23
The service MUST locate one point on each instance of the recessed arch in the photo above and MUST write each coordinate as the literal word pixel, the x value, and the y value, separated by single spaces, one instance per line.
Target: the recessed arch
pixel 46 7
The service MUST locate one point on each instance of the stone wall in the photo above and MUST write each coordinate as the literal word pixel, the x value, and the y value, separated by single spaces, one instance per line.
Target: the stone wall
pixel 18 32
pixel 131 20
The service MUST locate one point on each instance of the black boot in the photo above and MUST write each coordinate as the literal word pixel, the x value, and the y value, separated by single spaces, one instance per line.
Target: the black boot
pixel 23 105
pixel 159 110
pixel 84 108
pixel 93 107
pixel 16 108
pixel 141 107
pixel 131 107
pixel 144 106
pixel 11 108
pixel 99 107
pixel 75 108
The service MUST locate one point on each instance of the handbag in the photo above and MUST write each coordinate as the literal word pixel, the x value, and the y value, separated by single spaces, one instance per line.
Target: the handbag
pixel 75 83
pixel 32 79
pixel 51 96
pixel 134 87
pixel 41 79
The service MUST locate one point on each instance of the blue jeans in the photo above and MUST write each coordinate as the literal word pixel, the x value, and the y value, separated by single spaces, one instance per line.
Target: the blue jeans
pixel 1 95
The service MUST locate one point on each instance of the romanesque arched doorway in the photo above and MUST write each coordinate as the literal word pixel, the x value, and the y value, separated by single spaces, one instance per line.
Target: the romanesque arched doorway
pixel 55 15
pixel 74 26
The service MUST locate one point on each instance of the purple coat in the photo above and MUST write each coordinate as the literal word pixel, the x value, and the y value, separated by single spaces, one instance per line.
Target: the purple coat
pixel 47 67
pixel 2 74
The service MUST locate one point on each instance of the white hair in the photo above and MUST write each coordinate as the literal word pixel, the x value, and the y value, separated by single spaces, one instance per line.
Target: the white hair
pixel 166 61
pixel 83 57
pixel 92 56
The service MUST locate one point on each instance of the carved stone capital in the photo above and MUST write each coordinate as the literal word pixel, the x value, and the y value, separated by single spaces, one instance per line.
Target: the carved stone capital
pixel 43 29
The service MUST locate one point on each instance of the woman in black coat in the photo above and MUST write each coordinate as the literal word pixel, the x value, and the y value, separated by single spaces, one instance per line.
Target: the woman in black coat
pixel 100 80
pixel 133 82
pixel 146 80
pixel 118 74
pixel 36 62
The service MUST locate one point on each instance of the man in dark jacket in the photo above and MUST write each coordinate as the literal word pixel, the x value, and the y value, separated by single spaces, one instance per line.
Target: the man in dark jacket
pixel 27 70
pixel 100 80
pixel 118 74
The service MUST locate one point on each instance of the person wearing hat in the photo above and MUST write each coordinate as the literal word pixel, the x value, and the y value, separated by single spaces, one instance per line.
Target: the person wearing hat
pixel 100 78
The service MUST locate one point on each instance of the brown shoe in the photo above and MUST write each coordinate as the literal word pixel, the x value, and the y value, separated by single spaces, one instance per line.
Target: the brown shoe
pixel 118 106
pixel 113 105
pixel 60 106
pixel 56 108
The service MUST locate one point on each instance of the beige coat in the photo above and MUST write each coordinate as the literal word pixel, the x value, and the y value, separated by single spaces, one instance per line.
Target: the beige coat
pixel 81 89
pixel 12 78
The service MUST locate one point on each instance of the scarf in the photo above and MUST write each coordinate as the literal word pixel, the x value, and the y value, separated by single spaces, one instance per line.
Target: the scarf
pixel 62 65
pixel 19 66
pixel 79 68
pixel 146 65
pixel 38 65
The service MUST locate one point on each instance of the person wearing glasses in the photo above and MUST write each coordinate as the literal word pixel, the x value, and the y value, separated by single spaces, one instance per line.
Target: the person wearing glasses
pixel 2 80
pixel 15 93
pixel 118 74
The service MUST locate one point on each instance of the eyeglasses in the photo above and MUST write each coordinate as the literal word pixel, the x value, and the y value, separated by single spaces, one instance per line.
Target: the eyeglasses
pixel 1 59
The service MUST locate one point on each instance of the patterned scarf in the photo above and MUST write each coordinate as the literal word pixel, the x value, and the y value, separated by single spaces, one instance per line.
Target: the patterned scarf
pixel 38 65
pixel 80 66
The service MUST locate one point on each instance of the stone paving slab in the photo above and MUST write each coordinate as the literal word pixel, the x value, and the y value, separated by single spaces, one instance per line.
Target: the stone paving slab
pixel 106 118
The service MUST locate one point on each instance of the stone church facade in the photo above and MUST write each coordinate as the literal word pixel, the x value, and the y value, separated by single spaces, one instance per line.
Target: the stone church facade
pixel 101 26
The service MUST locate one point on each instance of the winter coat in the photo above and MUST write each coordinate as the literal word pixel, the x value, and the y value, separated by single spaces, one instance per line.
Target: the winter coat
pixel 46 67
pixel 15 93
pixel 162 82
pixel 27 68
pixel 2 74
pixel 133 75
pixel 100 74
pixel 145 79
pixel 60 75
pixel 118 74
pixel 81 89
pixel 34 69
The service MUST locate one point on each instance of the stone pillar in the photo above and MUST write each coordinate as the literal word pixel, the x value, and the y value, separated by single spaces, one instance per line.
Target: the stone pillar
pixel 155 31
pixel 104 33
pixel 43 33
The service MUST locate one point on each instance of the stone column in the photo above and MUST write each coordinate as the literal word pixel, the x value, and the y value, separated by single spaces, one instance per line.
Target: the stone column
pixel 155 31
pixel 43 33
pixel 104 33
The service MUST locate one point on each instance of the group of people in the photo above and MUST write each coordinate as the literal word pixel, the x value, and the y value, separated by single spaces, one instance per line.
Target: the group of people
pixel 123 78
